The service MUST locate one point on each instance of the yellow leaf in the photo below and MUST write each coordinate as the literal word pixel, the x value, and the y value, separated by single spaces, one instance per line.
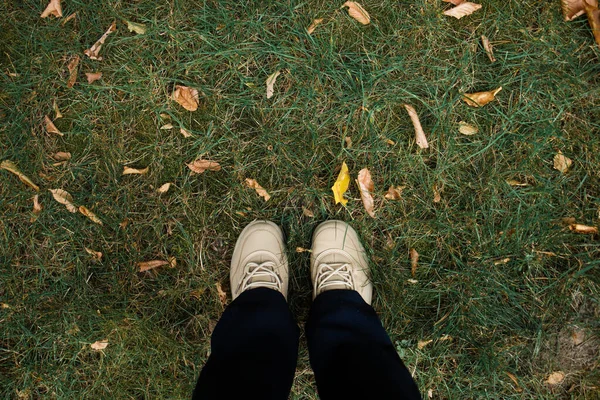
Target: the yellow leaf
pixel 572 9
pixel 73 68
pixel 253 184
pixel 93 76
pixel 467 129
pixel 186 97
pixel 12 167
pixel 148 265
pixel 57 113
pixel 462 10
pixel 314 25
pixel 164 188
pixel 93 52
pixel 185 133
pixel 414 261
pixel 341 185
pixel 579 228
pixel 54 8
pixel 480 99
pixel 50 127
pixel 419 133
pixel 271 82
pixel 96 254
pixel 394 193
pixel 64 197
pixel 356 11
pixel 489 49
pixel 132 171
pixel 555 378
pixel 514 182
pixel 199 166
pixel 93 217
pixel 37 208
pixel 422 343
pixel 62 156
pixel 593 14
pixel 99 345
pixel 561 162
pixel 366 186
pixel 221 293
pixel 140 29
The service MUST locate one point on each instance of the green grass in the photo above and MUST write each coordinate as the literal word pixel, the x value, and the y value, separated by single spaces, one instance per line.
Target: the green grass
pixel 515 317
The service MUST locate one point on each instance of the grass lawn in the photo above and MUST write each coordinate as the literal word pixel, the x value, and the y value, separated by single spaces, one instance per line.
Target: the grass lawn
pixel 503 289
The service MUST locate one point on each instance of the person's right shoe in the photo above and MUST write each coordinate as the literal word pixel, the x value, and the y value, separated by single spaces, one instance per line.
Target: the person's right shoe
pixel 338 260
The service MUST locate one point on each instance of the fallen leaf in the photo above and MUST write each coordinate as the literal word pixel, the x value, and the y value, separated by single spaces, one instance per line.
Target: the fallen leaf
pixel 253 184
pixel 70 17
pixel 437 197
pixel 455 2
pixel 57 113
pixel 348 141
pixel 93 76
pixel 489 49
pixel 50 127
pixel 64 197
pixel 185 133
pixel 99 345
pixel 199 166
pixel 123 224
pixel 62 156
pixel 422 343
pixel 271 82
pixel 96 254
pixel 502 261
pixel 93 217
pixel 302 250
pixel 577 336
pixel 73 68
pixel 419 133
pixel 4 305
pixel 37 208
pixel 555 378
pixel 413 281
pixel 514 182
pixel 164 188
pixel 430 391
pixel 172 262
pixel 221 293
pixel 132 171
pixel 467 129
pixel 562 163
pixel 515 381
pixel 186 97
pixel 394 193
pixel 93 51
pixel 314 25
pixel 572 9
pixel 167 127
pixel 593 14
pixel 568 220
pixel 341 185
pixel 366 186
pixel 307 212
pixel 462 10
pixel 140 29
pixel 54 8
pixel 480 99
pixel 414 261
pixel 584 229
pixel 148 265
pixel 12 167
pixel 357 12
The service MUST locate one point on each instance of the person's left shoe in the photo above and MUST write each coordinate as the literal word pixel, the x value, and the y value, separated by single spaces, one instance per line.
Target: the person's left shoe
pixel 259 259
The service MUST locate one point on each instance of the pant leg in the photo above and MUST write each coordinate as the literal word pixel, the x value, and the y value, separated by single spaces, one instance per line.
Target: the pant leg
pixel 350 352
pixel 254 350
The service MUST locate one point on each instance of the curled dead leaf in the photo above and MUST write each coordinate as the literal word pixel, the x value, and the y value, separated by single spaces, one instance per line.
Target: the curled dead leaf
pixel 73 68
pixel 93 52
pixel 593 15
pixel 302 250
pixel 54 8
pixel 394 193
pixel 37 208
pixel 420 137
pixel 186 97
pixel 577 336
pixel 555 378
pixel 95 254
pixel 562 163
pixel 148 265
pixel 253 184
pixel 489 49
pixel 164 188
pixel 50 127
pixel 515 381
pixel 480 99
pixel 99 345
pixel 348 141
pixel 356 11
pixel 167 127
pixel 93 76
pixel 314 25
pixel 140 29
pixel 584 229
pixel 57 113
pixel 307 212
pixel 199 166
pixel 572 9
pixel 462 10
pixel 62 156
pixel 12 167
pixel 185 133
pixel 422 343
pixel 514 182
pixel 221 293
pixel 414 261
pixel 135 171
pixel 69 18
pixel 467 129
pixel 437 196
pixel 366 187
pixel 64 197
pixel 93 217
pixel 270 82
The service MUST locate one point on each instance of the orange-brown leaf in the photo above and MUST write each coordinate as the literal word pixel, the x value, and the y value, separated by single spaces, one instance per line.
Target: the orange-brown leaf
pixel 462 10
pixel 93 217
pixel 253 184
pixel 394 193
pixel 93 52
pixel 414 261
pixel 314 25
pixel 62 156
pixel 480 99
pixel 585 229
pixel 186 97
pixel 148 265
pixel 221 293
pixel 96 254
pixel 562 163
pixel 73 68
pixel 64 197
pixel 356 11
pixel 593 14
pixel 489 49
pixel 50 127
pixel 199 166
pixel 366 186
pixel 93 76
pixel 54 8
pixel 135 171
pixel 572 9
pixel 419 132
pixel 37 208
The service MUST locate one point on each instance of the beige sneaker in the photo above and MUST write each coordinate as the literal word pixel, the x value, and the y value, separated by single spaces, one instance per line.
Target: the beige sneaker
pixel 259 259
pixel 338 260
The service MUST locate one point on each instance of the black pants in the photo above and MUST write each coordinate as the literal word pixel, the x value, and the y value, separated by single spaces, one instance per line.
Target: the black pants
pixel 255 349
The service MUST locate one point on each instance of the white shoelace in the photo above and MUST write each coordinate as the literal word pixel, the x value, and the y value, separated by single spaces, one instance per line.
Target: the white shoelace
pixel 334 275
pixel 263 270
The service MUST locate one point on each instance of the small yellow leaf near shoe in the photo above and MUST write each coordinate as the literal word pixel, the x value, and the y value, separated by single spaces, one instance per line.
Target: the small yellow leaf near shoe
pixel 356 11
pixel 341 185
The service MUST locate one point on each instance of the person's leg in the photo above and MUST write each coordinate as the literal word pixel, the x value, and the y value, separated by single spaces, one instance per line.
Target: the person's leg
pixel 350 352
pixel 254 347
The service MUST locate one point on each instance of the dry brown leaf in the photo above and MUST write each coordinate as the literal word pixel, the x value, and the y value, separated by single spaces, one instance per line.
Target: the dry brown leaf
pixel 514 182
pixel 356 11
pixel 62 156
pixel 253 184
pixel 199 166
pixel 307 212
pixel 366 187
pixel 186 97
pixel 422 343
pixel 455 2
pixel 515 381
pixel 54 8
pixel 414 261
pixel 57 113
pixel 164 188
pixel 502 261
pixel 467 129
pixel 96 254
pixel 93 217
pixel 93 76
pixel 93 51
pixel 4 305
pixel 584 229
pixel 394 193
pixel 577 336
pixel 70 17
pixel 314 25
pixel 419 133
pixel 148 265
pixel 593 14
pixel 99 345
pixel 134 171
pixel 221 293
pixel 462 10
pixel 37 208
pixel 572 9
pixel 562 163
pixel 489 49
pixel 12 167
pixel 167 127
pixel 480 99
pixel 64 197
pixel 302 250
pixel 73 68
pixel 348 141
pixel 437 196
pixel 50 127
pixel 555 378
pixel 270 82
pixel 140 29
pixel 185 133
